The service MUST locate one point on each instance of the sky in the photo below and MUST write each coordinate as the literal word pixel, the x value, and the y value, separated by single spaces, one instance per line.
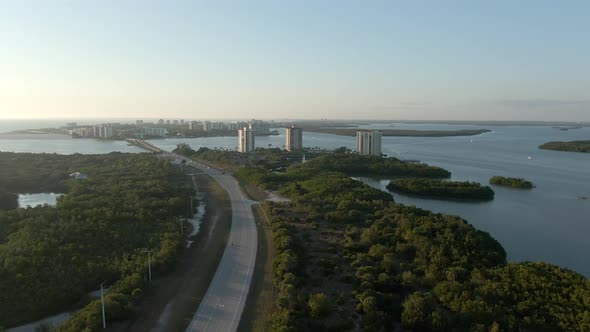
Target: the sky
pixel 423 60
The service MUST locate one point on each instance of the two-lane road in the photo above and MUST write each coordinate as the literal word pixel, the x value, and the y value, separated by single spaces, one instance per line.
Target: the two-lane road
pixel 224 301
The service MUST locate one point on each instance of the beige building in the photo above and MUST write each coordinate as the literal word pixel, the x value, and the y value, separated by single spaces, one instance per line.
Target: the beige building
pixel 293 138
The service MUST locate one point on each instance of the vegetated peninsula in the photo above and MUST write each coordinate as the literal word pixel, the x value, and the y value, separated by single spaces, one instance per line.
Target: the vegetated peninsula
pixel 519 183
pixel 571 146
pixel 398 132
pixel 442 189
pixel 347 257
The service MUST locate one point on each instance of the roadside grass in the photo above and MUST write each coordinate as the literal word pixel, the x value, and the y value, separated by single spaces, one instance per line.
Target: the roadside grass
pixel 210 256
pixel 179 293
pixel 262 295
pixel 253 192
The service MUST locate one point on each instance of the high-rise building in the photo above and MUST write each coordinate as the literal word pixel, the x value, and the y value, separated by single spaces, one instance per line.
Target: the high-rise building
pixel 368 142
pixel 139 122
pixel 103 130
pixel 293 138
pixel 246 140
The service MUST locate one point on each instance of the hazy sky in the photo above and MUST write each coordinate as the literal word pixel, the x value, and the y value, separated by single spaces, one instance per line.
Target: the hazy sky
pixel 497 60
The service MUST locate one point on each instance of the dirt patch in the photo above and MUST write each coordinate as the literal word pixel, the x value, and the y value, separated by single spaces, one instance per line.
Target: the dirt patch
pixel 171 302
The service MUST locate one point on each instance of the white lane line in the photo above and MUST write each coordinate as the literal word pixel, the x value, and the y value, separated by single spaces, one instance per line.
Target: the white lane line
pixel 209 320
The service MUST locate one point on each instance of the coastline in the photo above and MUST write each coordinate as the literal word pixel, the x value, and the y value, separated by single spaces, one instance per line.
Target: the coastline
pixel 31 135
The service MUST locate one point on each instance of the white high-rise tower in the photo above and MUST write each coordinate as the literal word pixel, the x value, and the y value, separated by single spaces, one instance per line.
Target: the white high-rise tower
pixel 368 142
pixel 246 140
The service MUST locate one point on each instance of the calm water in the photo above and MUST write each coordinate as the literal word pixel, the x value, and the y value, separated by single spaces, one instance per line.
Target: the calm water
pixel 548 223
pixel 33 200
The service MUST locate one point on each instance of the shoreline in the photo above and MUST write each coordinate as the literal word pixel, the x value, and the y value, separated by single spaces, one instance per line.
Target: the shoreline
pixel 31 135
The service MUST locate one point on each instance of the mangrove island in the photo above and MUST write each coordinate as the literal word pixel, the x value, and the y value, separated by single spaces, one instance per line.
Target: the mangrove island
pixel 519 183
pixel 571 146
pixel 441 189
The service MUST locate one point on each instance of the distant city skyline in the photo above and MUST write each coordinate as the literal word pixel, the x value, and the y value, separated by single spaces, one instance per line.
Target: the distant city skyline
pixel 388 60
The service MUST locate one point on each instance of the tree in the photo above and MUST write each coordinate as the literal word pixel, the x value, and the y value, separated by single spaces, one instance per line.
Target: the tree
pixel 319 305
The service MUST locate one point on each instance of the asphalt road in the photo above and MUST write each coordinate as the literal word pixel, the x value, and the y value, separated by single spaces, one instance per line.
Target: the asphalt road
pixel 223 304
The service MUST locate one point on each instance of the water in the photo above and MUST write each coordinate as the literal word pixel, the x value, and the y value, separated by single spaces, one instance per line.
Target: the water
pixel 33 200
pixel 549 223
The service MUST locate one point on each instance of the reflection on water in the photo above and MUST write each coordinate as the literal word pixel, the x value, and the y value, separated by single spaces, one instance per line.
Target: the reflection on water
pixel 33 200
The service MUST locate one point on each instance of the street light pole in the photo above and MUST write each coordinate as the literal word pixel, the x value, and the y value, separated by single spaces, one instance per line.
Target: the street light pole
pixel 181 228
pixel 104 319
pixel 149 264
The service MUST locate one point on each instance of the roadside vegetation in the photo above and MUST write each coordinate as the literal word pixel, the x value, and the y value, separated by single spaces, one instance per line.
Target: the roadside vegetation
pixel 519 183
pixel 347 257
pixel 442 189
pixel 572 146
pixel 52 257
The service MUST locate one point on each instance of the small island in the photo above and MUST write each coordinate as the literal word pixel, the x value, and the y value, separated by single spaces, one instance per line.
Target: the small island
pixel 571 146
pixel 442 189
pixel 396 132
pixel 519 183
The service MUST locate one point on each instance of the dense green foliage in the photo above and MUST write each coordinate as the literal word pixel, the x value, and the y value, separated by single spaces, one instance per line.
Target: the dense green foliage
pixel 51 257
pixel 36 173
pixel 354 164
pixel 348 256
pixel 573 146
pixel 511 182
pixel 271 158
pixel 520 297
pixel 8 200
pixel 442 189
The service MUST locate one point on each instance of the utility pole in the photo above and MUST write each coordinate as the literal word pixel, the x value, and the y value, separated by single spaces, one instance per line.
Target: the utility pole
pixel 149 264
pixel 104 319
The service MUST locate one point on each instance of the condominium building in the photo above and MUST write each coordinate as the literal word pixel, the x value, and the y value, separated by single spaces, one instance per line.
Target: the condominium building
pixel 260 127
pixel 293 138
pixel 246 140
pixel 103 130
pixel 195 126
pixel 151 131
pixel 82 132
pixel 368 142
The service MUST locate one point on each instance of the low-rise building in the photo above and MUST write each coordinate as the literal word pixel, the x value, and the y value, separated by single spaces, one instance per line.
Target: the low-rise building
pixel 82 132
pixel 154 131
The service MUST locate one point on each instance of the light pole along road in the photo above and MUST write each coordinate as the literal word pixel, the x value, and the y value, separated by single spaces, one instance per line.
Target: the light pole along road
pixel 223 304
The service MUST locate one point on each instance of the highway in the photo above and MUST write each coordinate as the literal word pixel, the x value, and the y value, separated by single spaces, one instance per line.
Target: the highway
pixel 223 304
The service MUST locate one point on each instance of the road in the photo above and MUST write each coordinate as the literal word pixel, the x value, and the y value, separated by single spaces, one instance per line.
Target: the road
pixel 223 304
